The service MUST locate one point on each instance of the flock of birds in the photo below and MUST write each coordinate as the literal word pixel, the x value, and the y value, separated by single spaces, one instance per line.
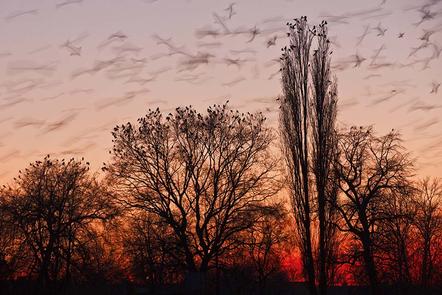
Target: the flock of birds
pixel 388 74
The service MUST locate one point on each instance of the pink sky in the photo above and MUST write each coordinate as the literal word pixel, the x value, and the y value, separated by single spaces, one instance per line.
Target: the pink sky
pixel 58 99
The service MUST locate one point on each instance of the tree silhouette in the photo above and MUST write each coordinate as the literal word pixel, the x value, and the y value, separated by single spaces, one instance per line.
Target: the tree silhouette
pixel 205 176
pixel 53 205
pixel 8 253
pixel 264 242
pixel 370 169
pixel 307 125
pixel 394 238
pixel 428 222
pixel 148 242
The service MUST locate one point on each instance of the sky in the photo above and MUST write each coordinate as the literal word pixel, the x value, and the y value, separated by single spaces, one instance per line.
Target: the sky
pixel 71 70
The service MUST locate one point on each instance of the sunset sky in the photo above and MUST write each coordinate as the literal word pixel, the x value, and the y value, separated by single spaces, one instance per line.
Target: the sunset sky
pixel 71 70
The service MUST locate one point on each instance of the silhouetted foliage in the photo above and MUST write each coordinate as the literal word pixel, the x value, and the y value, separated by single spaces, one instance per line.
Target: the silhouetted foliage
pixel 53 207
pixel 371 170
pixel 190 202
pixel 147 243
pixel 307 123
pixel 264 244
pixel 395 239
pixel 204 177
pixel 428 221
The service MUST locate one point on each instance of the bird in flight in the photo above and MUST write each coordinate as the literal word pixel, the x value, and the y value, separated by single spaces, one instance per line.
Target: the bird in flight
pixel 435 87
pixel 21 13
pixel 358 60
pixel 426 15
pixel 253 32
pixel 381 31
pixel 231 12
pixel 67 2
pixel 364 34
pixel 272 41
pixel 74 50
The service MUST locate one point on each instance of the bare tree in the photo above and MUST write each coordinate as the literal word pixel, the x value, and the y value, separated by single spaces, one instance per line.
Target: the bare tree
pixel 323 117
pixel 371 169
pixel 8 252
pixel 52 205
pixel 147 243
pixel 394 239
pixel 307 124
pixel 205 176
pixel 264 242
pixel 428 222
pixel 98 258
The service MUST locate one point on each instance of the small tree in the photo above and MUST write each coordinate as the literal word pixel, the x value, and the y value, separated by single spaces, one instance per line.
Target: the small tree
pixel 147 244
pixel 394 238
pixel 53 206
pixel 428 222
pixel 371 170
pixel 205 176
pixel 8 251
pixel 264 244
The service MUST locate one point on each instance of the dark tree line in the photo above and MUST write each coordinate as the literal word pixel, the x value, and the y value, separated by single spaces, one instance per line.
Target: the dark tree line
pixel 185 198
pixel 207 178
pixel 372 172
pixel 351 187
pixel 203 202
pixel 52 214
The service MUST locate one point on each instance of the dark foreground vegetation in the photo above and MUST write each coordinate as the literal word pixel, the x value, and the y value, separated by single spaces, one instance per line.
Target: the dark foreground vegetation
pixel 204 203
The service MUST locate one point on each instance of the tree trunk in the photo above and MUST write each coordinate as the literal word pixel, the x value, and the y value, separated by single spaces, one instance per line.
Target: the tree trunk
pixel 43 279
pixel 322 251
pixel 369 264
pixel 43 276
pixel 261 285
pixel 425 271
pixel 405 271
pixel 309 263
